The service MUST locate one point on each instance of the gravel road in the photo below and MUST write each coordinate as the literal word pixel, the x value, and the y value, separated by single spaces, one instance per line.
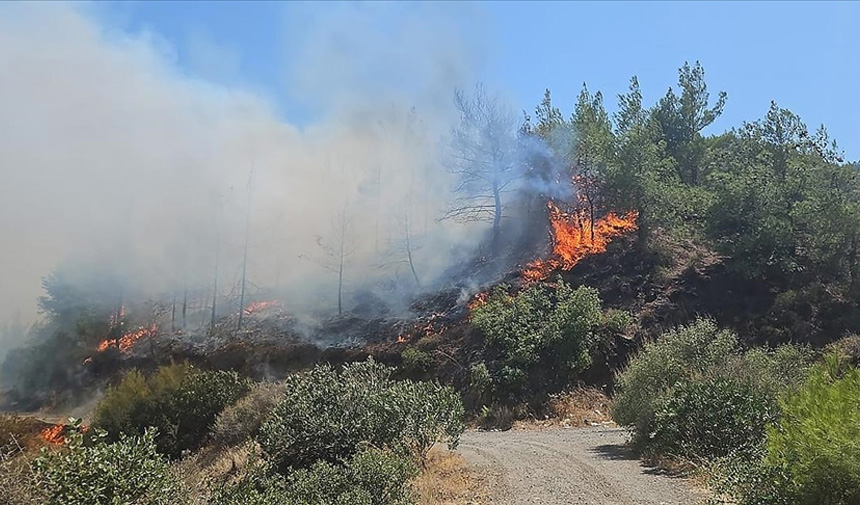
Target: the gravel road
pixel 570 466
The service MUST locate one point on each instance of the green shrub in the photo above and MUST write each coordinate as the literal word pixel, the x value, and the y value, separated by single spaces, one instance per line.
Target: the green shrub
pixel 816 443
pixel 370 477
pixel 416 360
pixel 712 418
pixel 539 332
pixel 697 372
pixel 678 355
pixel 479 378
pixel 178 400
pixel 119 473
pixel 242 421
pixel 326 416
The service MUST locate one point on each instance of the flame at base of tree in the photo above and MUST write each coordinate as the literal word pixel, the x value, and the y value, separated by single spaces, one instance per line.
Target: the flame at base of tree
pixel 575 237
pixel 125 342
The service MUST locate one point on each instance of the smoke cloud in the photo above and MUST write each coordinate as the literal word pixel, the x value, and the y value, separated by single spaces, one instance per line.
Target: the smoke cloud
pixel 115 160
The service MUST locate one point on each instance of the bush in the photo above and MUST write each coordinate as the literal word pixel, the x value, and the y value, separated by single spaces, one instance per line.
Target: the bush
pixel 811 455
pixel 539 332
pixel 698 372
pixel 178 400
pixel 127 471
pixel 242 421
pixel 416 360
pixel 712 418
pixel 326 416
pixel 678 355
pixel 370 477
pixel 816 443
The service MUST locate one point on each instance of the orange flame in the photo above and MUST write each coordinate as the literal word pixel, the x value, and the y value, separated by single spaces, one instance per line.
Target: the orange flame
pixel 56 434
pixel 401 339
pixel 478 300
pixel 125 342
pixel 575 237
pixel 258 306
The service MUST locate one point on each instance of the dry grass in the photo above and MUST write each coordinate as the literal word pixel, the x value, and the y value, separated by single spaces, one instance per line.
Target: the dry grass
pixel 581 406
pixel 18 484
pixel 447 480
pixel 213 465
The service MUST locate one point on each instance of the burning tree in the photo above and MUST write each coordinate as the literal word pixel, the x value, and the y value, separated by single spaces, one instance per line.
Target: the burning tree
pixel 483 157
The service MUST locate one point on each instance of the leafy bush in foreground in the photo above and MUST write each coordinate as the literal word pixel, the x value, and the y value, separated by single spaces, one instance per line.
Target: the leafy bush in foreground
pixel 698 372
pixel 129 471
pixel 178 400
pixel 326 415
pixel 816 444
pixel 812 454
pixel 712 418
pixel 370 477
pixel 677 356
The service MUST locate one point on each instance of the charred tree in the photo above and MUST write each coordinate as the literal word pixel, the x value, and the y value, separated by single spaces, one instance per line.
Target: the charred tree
pixel 245 255
pixel 335 255
pixel 483 159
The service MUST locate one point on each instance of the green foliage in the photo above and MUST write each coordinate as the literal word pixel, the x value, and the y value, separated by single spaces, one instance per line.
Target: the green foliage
pixel 415 360
pixel 538 329
pixel 711 418
pixel 242 421
pixel 127 471
pixel 326 415
pixel 370 477
pixel 811 455
pixel 698 372
pixel 479 378
pixel 677 356
pixel 178 400
pixel 816 443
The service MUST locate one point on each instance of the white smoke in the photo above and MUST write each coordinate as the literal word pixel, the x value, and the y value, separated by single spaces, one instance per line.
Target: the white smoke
pixel 112 156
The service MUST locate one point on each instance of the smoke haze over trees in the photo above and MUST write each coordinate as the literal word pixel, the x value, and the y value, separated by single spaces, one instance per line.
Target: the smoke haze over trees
pixel 121 169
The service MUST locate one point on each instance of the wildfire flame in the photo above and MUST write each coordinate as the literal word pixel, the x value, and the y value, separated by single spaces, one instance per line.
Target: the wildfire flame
pixel 574 237
pixel 478 300
pixel 258 306
pixel 125 342
pixel 56 434
pixel 401 339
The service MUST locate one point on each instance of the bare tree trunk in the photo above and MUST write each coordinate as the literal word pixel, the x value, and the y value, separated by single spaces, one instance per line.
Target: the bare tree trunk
pixel 340 268
pixel 409 252
pixel 497 216
pixel 245 253
pixel 214 293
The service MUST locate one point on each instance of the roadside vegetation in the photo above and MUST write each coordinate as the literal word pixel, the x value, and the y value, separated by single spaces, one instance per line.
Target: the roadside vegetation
pixel 353 436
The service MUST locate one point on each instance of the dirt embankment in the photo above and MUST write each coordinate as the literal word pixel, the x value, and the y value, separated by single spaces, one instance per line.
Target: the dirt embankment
pixel 570 466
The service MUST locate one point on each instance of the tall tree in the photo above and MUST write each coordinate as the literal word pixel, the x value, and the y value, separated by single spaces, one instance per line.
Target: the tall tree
pixel 594 146
pixel 682 118
pixel 483 157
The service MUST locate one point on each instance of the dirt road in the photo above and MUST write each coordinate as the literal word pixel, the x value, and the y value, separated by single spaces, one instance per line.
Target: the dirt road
pixel 569 466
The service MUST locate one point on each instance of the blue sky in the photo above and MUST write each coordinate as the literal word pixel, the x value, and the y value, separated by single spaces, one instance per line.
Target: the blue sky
pixel 803 55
